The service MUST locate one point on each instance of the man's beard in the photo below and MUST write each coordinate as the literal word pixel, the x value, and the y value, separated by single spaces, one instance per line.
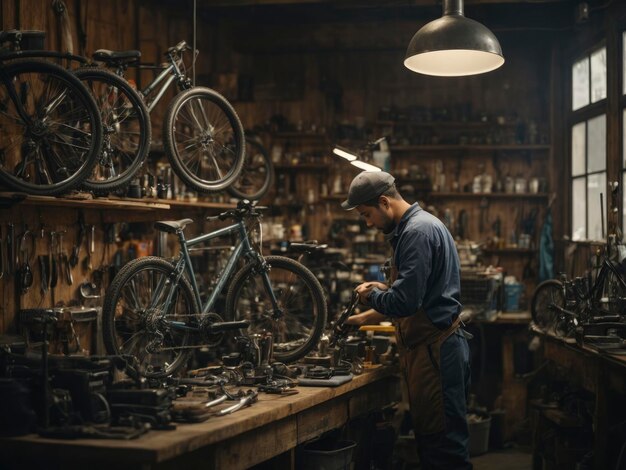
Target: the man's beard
pixel 388 226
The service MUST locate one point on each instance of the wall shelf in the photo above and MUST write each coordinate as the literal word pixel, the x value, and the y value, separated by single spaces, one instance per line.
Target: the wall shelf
pixel 302 167
pixel 448 124
pixel 298 135
pixel 509 251
pixel 466 147
pixel 445 195
pixel 8 199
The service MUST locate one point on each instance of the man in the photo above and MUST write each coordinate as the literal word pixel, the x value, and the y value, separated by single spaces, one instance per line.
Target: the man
pixel 423 301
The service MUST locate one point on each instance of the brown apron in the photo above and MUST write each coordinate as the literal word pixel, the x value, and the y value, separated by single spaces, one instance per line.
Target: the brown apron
pixel 419 347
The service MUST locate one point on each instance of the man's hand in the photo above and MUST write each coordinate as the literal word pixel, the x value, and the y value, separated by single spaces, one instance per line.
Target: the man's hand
pixel 364 290
pixel 369 317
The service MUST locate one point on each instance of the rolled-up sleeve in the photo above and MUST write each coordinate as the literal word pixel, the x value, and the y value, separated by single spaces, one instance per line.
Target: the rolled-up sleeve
pixel 406 294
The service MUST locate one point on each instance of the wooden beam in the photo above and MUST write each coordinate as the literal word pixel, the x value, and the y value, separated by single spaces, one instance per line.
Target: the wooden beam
pixel 357 3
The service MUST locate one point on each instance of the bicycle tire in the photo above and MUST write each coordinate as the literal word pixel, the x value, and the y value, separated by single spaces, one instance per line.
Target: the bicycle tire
pixel 303 321
pixel 59 150
pixel 126 130
pixel 547 293
pixel 190 144
pixel 121 320
pixel 257 175
pixel 610 299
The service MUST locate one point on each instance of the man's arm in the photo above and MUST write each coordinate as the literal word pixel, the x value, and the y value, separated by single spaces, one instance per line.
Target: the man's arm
pixel 369 317
pixel 406 294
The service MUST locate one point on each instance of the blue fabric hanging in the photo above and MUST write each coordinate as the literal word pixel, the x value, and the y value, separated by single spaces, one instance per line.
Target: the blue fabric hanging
pixel 546 250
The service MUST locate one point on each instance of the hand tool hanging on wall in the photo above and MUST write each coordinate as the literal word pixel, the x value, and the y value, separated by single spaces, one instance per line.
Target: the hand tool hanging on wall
pixel 26 273
pixel 64 262
pixel 65 29
pixel 53 260
pixel 43 274
pixel 91 247
pixel 79 240
pixel 81 25
pixel 11 250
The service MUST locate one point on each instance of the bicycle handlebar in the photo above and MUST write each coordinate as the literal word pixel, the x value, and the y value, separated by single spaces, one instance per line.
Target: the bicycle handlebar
pixel 178 48
pixel 244 208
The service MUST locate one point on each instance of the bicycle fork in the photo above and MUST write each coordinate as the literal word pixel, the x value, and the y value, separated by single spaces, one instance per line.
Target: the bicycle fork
pixel 264 270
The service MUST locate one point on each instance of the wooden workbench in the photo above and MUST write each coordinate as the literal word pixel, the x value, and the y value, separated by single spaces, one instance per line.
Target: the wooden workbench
pixel 602 374
pixel 271 427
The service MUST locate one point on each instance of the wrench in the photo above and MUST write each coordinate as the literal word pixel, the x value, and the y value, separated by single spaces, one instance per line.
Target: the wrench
pixel 53 262
pixel 79 241
pixel 246 400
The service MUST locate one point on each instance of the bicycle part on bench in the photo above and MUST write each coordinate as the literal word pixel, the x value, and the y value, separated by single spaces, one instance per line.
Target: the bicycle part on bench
pixel 248 399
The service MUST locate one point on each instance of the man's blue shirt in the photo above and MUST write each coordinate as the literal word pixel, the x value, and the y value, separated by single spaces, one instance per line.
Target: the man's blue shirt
pixel 428 270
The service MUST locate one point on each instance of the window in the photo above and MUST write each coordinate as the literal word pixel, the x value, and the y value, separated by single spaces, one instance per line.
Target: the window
pixel 588 146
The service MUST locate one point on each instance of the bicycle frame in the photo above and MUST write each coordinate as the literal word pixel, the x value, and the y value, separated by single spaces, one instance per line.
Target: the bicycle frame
pixel 170 73
pixel 594 293
pixel 243 249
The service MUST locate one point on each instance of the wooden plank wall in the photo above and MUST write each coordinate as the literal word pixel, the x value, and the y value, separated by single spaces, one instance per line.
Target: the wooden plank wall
pixel 311 73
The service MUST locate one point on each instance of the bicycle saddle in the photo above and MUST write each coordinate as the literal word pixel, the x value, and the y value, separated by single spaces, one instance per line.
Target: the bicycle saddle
pixel 115 57
pixel 172 226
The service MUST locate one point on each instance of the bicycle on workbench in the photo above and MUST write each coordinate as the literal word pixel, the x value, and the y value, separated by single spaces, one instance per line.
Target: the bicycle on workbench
pixel 562 305
pixel 153 309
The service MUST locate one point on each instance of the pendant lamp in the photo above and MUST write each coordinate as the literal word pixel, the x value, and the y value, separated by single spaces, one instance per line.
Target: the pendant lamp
pixel 453 46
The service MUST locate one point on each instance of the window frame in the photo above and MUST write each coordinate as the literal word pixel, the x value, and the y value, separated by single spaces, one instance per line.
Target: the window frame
pixel 583 115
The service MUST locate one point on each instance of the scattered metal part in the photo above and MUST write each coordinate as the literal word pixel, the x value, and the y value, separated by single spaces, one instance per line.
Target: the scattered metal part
pixel 250 397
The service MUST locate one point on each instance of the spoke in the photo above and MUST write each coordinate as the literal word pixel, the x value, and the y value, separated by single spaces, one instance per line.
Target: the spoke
pixel 67 144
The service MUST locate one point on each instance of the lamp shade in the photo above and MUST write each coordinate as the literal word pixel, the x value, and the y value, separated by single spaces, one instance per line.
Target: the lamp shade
pixel 453 46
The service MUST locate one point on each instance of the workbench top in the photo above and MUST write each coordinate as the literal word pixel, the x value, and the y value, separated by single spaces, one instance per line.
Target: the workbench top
pixel 280 421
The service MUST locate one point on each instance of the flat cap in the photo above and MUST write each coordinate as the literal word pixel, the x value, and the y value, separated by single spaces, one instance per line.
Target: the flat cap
pixel 366 186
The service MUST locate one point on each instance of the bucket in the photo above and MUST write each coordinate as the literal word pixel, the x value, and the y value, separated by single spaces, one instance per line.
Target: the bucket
pixel 326 454
pixel 479 433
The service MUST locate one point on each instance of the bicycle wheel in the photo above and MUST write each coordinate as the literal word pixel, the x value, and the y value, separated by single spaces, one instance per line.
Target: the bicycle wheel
pixel 136 322
pixel 300 298
pixel 610 297
pixel 204 139
pixel 548 294
pixel 57 148
pixel 257 174
pixel 126 130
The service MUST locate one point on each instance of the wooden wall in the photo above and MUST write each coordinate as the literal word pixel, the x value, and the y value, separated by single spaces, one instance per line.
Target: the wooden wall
pixel 318 72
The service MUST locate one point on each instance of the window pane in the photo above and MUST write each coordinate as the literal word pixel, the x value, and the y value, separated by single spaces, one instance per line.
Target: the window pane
pixel 596 184
pixel 580 83
pixel 598 75
pixel 596 144
pixel 579 209
pixel 578 149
